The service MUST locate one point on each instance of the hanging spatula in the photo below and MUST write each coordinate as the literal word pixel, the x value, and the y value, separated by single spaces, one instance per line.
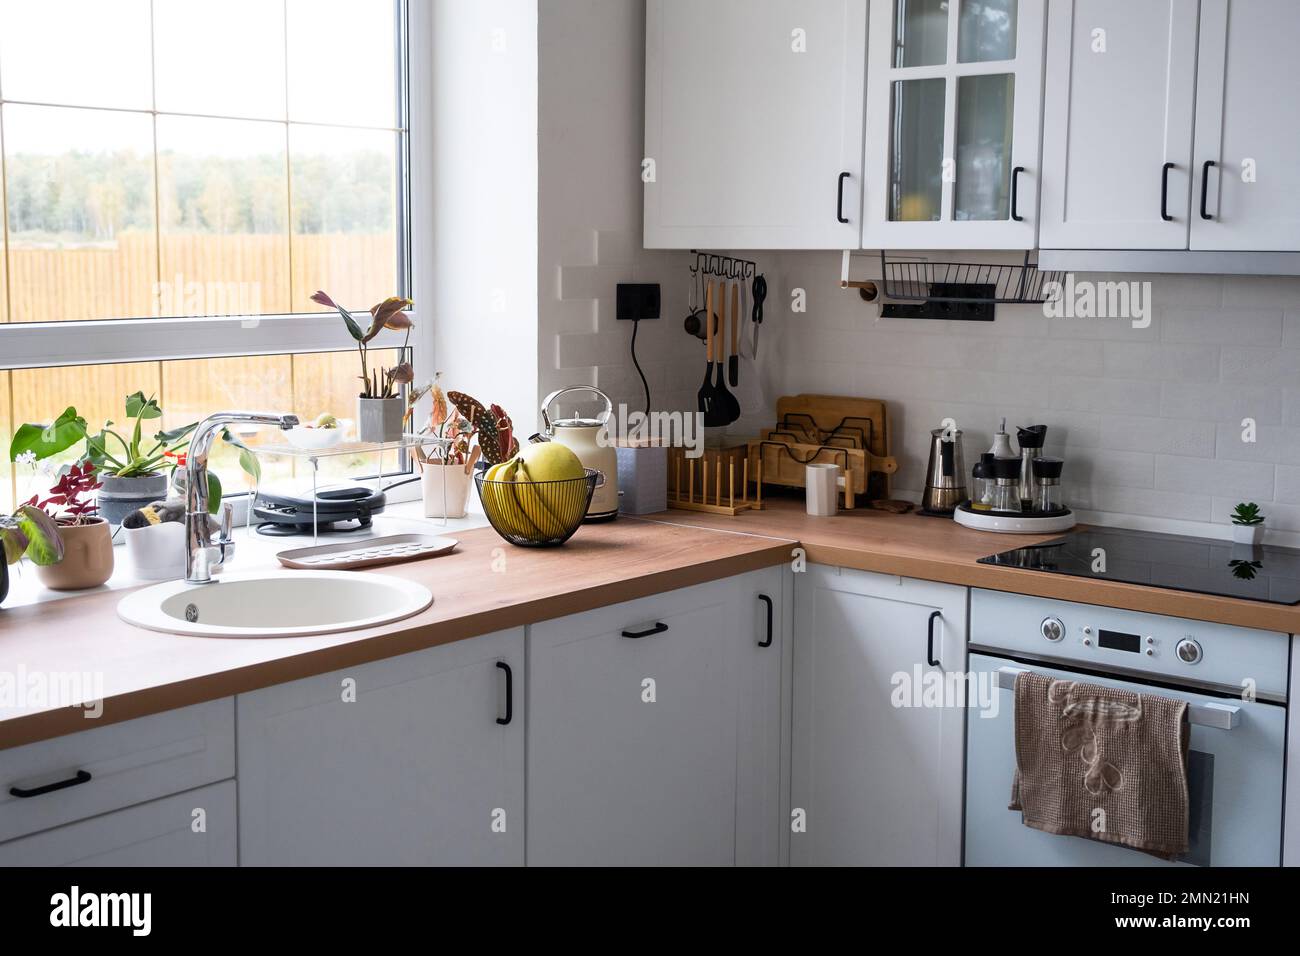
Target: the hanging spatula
pixel 733 360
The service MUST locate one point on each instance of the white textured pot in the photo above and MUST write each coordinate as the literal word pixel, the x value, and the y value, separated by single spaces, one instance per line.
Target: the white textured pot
pixel 445 489
pixel 379 419
pixel 1247 533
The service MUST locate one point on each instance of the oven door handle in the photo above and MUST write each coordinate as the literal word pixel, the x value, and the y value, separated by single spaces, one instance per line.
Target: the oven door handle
pixel 1218 716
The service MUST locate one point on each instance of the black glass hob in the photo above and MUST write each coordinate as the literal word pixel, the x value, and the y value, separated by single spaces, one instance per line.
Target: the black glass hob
pixel 1202 565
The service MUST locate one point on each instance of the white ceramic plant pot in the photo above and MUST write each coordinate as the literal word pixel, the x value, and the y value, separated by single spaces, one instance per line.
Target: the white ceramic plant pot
pixel 379 419
pixel 1248 533
pixel 445 489
pixel 157 551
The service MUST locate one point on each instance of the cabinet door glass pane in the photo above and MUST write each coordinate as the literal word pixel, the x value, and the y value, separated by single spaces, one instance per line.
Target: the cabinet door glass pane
pixel 986 31
pixel 916 153
pixel 984 118
pixel 921 32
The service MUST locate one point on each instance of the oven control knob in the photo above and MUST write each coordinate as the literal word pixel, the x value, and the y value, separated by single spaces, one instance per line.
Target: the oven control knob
pixel 1052 629
pixel 1188 651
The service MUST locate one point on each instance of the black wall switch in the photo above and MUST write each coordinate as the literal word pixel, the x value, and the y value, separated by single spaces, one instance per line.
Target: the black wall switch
pixel 637 300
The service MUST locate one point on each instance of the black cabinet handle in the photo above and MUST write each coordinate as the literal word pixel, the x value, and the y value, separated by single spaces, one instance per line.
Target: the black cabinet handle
pixel 929 642
pixel 659 628
pixel 1164 193
pixel 768 601
pixel 1205 187
pixel 510 694
pixel 839 199
pixel 1015 193
pixel 81 776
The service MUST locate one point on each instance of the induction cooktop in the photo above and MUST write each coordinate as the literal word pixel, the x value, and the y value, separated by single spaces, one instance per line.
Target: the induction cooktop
pixel 1202 565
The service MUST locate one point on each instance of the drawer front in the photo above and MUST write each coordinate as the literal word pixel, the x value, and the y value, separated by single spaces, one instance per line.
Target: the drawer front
pixel 118 765
pixel 166 832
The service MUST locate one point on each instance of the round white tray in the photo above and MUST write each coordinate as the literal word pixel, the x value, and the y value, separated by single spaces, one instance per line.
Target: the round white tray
pixel 1013 524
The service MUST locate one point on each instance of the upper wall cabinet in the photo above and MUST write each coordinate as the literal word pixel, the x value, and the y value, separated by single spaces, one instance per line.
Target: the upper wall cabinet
pixel 1117 130
pixel 753 128
pixel 954 100
pixel 1247 138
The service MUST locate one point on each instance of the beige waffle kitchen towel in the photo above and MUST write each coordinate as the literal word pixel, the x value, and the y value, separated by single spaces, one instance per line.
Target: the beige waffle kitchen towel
pixel 1101 763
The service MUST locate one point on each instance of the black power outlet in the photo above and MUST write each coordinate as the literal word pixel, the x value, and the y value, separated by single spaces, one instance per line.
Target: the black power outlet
pixel 637 300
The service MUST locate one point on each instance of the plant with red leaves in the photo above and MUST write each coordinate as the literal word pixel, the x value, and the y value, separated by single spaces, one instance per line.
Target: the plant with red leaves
pixel 69 502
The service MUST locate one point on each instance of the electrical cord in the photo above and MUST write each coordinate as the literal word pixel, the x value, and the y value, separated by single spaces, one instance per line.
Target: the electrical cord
pixel 636 324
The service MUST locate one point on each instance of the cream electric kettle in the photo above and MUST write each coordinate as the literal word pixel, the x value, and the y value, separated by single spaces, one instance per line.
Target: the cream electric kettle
pixel 589 439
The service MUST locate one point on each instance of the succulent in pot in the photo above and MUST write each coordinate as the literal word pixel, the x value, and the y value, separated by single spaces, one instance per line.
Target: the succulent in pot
pixel 380 408
pixel 1247 524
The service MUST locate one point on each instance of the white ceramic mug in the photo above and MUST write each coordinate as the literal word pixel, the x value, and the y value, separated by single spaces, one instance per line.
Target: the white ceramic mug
pixel 822 483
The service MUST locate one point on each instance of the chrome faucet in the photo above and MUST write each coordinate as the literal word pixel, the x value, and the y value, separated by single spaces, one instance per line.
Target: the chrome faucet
pixel 201 555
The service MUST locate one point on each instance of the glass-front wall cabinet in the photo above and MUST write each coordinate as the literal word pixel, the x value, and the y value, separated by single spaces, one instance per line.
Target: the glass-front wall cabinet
pixel 954 93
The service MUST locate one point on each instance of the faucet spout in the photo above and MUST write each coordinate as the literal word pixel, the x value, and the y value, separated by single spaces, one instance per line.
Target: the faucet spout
pixel 200 553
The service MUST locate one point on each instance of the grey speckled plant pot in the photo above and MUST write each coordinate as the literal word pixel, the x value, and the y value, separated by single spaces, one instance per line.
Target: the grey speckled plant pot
pixel 120 496
pixel 379 419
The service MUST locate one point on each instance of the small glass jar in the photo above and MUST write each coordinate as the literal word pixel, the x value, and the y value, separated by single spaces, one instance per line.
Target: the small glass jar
pixel 1006 485
pixel 1048 497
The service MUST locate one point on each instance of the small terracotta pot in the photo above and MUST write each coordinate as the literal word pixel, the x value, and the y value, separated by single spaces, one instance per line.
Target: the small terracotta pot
pixel 87 557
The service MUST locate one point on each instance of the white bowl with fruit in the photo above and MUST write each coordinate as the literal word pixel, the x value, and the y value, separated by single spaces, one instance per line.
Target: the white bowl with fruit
pixel 320 433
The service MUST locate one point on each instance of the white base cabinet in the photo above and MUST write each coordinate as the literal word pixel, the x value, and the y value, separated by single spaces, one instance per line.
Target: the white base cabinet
pixel 876 763
pixel 404 761
pixel 654 729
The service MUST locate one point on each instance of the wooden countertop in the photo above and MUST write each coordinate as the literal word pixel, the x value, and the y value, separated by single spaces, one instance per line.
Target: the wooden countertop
pixel 936 549
pixel 486 585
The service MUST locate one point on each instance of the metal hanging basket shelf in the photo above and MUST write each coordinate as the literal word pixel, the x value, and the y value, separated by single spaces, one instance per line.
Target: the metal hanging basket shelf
pixel 920 280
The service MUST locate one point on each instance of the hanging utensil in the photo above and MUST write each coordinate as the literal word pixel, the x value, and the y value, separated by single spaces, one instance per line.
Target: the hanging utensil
pixel 728 406
pixel 695 316
pixel 759 293
pixel 707 395
pixel 733 360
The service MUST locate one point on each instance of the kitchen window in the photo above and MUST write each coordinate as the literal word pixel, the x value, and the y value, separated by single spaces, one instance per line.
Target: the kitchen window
pixel 177 181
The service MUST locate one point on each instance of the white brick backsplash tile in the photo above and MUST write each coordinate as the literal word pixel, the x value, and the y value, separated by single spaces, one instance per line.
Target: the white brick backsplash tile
pixel 1291 406
pixel 1221 403
pixel 1272 443
pixel 1261 292
pixel 576 350
pixel 1160 362
pixel 1123 396
pixel 1142 501
pixel 616 247
pixel 1048 355
pixel 1260 365
pixel 1158 436
pixel 588 282
pixel 1197 291
pixel 1291 329
pixel 1130 469
pixel 1117 330
pixel 1220 328
pixel 1243 479
pixel 1287 488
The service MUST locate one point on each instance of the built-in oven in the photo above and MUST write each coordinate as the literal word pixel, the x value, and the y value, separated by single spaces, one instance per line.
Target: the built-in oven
pixel 1233 679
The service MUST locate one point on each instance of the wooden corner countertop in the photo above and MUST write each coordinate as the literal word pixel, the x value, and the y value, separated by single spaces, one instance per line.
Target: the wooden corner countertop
pixel 938 549
pixel 486 585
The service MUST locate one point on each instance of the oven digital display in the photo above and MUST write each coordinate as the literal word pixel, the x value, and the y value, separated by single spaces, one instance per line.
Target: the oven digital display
pixel 1118 641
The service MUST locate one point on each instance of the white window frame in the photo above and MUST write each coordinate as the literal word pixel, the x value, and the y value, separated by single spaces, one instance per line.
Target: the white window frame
pixel 107 341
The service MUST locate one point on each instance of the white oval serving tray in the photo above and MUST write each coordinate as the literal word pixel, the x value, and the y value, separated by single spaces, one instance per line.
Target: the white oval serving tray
pixel 367 552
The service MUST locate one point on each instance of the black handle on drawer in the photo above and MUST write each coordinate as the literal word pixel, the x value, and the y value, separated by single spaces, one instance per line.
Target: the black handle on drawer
pixel 1205 187
pixel 1164 193
pixel 929 641
pixel 839 199
pixel 80 777
pixel 659 628
pixel 1015 193
pixel 510 694
pixel 768 601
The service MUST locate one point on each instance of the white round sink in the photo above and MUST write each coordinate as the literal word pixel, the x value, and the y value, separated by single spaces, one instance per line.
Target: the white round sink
pixel 282 604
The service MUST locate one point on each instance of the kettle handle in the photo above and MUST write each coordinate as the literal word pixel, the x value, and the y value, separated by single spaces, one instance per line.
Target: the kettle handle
pixel 546 403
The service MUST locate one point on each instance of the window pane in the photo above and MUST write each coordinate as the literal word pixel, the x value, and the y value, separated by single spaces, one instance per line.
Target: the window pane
pixel 222 58
pixel 224 197
pixel 987 31
pixel 344 215
pixel 80 194
pixel 984 117
pixel 342 65
pixel 327 382
pixel 98 392
pixel 916 154
pixel 76 52
pixel 921 32
pixel 7 501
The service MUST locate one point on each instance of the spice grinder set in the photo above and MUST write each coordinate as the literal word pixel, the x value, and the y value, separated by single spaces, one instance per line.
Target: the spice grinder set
pixel 1008 491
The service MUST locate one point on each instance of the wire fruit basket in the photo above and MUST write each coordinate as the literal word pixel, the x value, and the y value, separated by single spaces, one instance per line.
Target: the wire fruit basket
pixel 537 514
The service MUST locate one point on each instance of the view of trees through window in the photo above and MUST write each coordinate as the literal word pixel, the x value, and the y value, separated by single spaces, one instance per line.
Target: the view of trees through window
pixel 193 158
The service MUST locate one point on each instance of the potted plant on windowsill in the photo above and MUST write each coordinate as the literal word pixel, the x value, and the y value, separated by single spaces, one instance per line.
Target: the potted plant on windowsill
pixel 1247 524
pixel 455 444
pixel 87 541
pixel 28 533
pixel 380 409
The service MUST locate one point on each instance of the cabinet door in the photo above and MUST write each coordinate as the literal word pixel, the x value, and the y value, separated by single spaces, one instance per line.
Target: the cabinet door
pixel 166 832
pixel 877 751
pixel 398 762
pixel 1121 91
pixel 1247 141
pixel 635 745
pixel 954 95
pixel 753 113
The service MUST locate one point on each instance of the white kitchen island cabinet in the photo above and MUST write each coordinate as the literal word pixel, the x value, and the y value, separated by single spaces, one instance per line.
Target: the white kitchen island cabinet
pixel 654 730
pixel 416 760
pixel 876 767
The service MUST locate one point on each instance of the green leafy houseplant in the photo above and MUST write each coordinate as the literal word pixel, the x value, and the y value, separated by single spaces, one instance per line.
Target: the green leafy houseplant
pixel 389 314
pixel 1247 514
pixel 1247 524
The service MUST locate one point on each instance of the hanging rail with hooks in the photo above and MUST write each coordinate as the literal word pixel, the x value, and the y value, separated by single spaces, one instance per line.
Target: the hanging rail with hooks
pixel 725 267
